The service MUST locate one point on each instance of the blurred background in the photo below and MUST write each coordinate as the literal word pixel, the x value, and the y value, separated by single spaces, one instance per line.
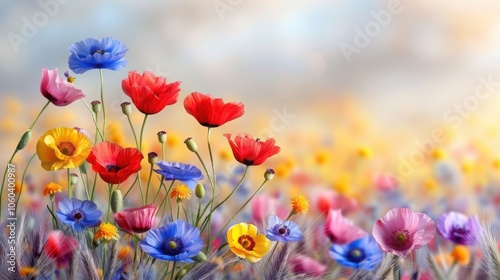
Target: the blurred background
pixel 363 97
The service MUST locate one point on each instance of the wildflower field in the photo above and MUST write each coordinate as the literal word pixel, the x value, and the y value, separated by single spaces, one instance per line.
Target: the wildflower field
pixel 113 170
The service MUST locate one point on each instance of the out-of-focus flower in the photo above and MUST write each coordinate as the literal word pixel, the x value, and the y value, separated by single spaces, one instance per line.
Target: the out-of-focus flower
pixel 300 204
pixel 136 220
pixel 327 199
pixel 186 173
pixel 362 253
pixel 263 206
pixel 114 163
pixel 300 264
pixel 459 228
pixel 176 241
pixel 246 243
pixel 461 255
pixel 250 151
pixel 106 232
pixel 60 247
pixel 180 192
pixel 364 152
pixel 82 131
pixel 62 147
pixel 91 53
pixel 210 111
pixel 341 230
pixel 401 231
pixel 28 271
pixel 52 188
pixel 124 253
pixel 78 214
pixel 57 90
pixel 385 182
pixel 149 93
pixel 283 231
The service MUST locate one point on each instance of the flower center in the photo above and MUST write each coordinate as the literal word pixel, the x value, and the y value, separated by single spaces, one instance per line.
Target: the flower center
pixel 101 52
pixel 401 238
pixel 246 242
pixel 66 148
pixel 77 215
pixel 282 230
pixel 173 246
pixel 356 255
pixel 113 168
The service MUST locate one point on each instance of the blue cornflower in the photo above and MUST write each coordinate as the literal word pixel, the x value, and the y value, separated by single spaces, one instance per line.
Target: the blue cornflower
pixel 176 241
pixel 282 231
pixel 187 173
pixel 91 53
pixel 363 253
pixel 79 214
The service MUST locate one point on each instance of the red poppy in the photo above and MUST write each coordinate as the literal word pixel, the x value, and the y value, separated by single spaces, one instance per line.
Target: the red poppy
pixel 114 163
pixel 136 220
pixel 149 93
pixel 250 151
pixel 60 247
pixel 210 111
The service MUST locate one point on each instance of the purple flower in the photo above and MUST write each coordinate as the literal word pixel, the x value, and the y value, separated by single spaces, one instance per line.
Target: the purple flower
pixel 282 231
pixel 186 173
pixel 78 214
pixel 459 228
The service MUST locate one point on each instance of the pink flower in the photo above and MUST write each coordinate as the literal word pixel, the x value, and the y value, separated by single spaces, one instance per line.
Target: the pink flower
pixel 60 247
pixel 301 264
pixel 326 200
pixel 341 230
pixel 57 90
pixel 136 220
pixel 385 182
pixel 401 231
pixel 263 206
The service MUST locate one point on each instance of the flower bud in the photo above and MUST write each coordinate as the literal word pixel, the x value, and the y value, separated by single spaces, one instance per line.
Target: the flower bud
pixel 83 168
pixel 269 174
pixel 96 106
pixel 126 108
pixel 200 257
pixel 199 191
pixel 181 274
pixel 152 158
pixel 162 136
pixel 25 139
pixel 73 178
pixel 191 145
pixel 116 201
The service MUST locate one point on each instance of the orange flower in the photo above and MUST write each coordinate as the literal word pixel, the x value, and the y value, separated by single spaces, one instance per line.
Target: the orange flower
pixel 180 192
pixel 52 188
pixel 300 204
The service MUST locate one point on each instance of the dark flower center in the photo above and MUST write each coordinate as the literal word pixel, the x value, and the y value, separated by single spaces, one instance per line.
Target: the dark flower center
pixel 50 97
pixel 101 52
pixel 356 255
pixel 246 242
pixel 66 148
pixel 77 215
pixel 173 246
pixel 113 168
pixel 401 238
pixel 282 230
pixel 248 162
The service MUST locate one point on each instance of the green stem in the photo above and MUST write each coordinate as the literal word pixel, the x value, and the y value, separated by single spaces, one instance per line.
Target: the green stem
pixel 149 182
pixel 54 220
pixel 96 121
pixel 178 209
pixel 142 131
pixel 243 206
pixel 173 273
pixel 110 190
pixel 140 188
pixel 39 114
pixel 70 189
pixel 103 106
pixel 93 187
pixel 129 189
pixel 159 188
pixel 162 151
pixel 22 180
pixel 85 184
pixel 167 198
pixel 133 131
pixel 198 213
pixel 52 214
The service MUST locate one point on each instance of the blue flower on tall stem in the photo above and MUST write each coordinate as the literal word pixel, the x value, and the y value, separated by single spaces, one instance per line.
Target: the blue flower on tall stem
pixel 187 173
pixel 363 253
pixel 91 53
pixel 78 214
pixel 282 231
pixel 176 241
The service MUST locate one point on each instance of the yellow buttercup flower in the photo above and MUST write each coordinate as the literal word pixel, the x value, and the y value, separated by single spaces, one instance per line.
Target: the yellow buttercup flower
pixel 244 242
pixel 300 204
pixel 62 148
pixel 106 232
pixel 181 192
pixel 52 188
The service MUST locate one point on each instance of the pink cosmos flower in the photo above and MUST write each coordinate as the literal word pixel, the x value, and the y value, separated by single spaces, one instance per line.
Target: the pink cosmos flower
pixel 136 220
pixel 57 90
pixel 401 231
pixel 301 264
pixel 341 230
